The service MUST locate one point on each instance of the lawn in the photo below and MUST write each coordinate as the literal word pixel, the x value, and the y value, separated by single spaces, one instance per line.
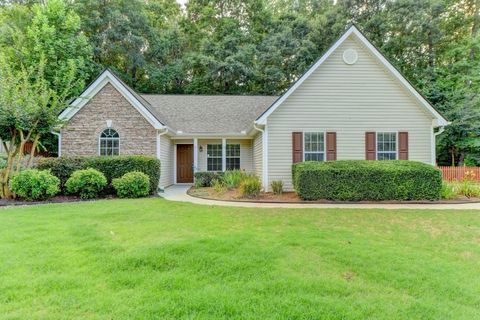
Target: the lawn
pixel 154 259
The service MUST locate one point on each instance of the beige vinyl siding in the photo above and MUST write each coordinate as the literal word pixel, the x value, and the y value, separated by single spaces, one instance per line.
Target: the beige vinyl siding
pixel 246 154
pixel 257 155
pixel 350 100
pixel 166 161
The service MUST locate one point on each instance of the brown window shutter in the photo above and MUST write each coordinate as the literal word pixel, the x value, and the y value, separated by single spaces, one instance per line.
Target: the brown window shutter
pixel 403 145
pixel 297 147
pixel 370 146
pixel 331 146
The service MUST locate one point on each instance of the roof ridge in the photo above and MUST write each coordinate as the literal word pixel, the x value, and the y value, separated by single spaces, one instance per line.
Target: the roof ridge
pixel 207 95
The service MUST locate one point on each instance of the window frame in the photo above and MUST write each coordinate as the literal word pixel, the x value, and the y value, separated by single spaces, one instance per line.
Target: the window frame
pixel 324 152
pixel 386 152
pixel 216 157
pixel 230 157
pixel 108 139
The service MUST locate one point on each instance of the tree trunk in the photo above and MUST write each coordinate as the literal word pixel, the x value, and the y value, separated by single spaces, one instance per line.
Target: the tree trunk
pixel 461 158
pixel 452 152
pixel 32 152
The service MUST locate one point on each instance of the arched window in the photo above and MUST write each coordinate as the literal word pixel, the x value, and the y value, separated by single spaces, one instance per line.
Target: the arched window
pixel 109 143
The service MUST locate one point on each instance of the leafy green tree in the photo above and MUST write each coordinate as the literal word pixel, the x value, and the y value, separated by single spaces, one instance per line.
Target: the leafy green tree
pixel 50 32
pixel 29 110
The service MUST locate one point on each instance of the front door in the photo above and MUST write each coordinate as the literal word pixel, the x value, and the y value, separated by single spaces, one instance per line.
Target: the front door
pixel 184 163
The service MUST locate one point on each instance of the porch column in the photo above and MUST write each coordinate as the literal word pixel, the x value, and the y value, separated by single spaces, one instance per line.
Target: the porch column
pixel 195 155
pixel 224 154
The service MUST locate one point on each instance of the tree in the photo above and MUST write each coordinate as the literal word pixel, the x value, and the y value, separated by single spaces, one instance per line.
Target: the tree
pixel 52 33
pixel 29 109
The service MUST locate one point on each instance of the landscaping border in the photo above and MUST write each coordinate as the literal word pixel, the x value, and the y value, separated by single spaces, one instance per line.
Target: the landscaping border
pixel 15 203
pixel 429 202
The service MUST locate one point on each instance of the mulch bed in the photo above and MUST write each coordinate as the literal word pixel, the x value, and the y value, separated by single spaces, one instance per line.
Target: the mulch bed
pixel 56 199
pixel 291 197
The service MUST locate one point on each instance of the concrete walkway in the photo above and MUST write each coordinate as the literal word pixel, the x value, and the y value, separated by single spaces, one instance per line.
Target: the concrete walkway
pixel 179 193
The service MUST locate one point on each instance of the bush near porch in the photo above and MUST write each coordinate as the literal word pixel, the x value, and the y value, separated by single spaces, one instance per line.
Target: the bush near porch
pixel 356 180
pixel 112 167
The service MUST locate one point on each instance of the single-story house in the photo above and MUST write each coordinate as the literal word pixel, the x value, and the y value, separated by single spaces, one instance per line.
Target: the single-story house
pixel 351 104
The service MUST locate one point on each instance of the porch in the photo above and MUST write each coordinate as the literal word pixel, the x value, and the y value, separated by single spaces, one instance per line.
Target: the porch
pixel 199 154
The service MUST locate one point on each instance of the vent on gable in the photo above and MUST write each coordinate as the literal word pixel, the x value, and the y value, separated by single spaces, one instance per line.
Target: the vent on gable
pixel 350 56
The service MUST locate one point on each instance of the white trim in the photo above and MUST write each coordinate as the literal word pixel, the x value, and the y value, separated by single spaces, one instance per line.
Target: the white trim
pixel 212 137
pixel 353 30
pixel 175 164
pixel 158 146
pixel 265 158
pixel 397 149
pixel 195 157
pixel 59 143
pixel 433 156
pixel 224 154
pixel 264 172
pixel 95 87
pixel 100 138
pixel 324 143
pixel 159 139
pixel 434 143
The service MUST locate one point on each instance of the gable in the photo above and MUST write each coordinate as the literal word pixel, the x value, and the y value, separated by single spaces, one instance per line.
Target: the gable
pixel 369 78
pixel 104 79
pixel 108 104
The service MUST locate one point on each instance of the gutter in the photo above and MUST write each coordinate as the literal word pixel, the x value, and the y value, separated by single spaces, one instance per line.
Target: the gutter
pixel 264 156
pixel 440 131
pixel 160 189
pixel 59 147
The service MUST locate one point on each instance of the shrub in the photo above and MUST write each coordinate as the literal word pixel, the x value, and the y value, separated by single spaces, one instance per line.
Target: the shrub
pixel 219 186
pixel 232 178
pixel 356 180
pixel 469 189
pixel 87 183
pixel 62 168
pixel 112 167
pixel 204 179
pixel 277 187
pixel 250 187
pixel 449 191
pixel 35 185
pixel 134 184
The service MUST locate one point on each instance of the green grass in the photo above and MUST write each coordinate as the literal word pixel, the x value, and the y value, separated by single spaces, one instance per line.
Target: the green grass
pixel 154 259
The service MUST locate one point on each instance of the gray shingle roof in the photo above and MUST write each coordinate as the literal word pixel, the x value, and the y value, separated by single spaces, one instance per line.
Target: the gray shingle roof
pixel 219 114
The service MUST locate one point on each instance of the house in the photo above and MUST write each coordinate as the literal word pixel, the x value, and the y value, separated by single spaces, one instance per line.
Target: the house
pixel 351 104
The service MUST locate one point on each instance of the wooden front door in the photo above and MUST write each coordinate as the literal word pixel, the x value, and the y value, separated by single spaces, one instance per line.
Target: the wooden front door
pixel 184 163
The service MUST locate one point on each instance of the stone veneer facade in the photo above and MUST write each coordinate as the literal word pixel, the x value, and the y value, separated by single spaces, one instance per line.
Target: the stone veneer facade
pixel 80 136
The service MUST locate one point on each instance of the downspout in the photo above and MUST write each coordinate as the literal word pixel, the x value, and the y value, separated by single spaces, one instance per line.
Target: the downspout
pixel 160 188
pixel 264 157
pixel 59 147
pixel 434 147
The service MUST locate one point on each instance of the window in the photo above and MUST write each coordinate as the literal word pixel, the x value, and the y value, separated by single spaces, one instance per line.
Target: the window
pixel 233 156
pixel 386 145
pixel 214 157
pixel 109 143
pixel 314 146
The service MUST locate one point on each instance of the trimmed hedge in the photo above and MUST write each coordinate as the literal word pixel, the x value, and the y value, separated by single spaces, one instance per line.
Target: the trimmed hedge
pixel 112 167
pixel 356 180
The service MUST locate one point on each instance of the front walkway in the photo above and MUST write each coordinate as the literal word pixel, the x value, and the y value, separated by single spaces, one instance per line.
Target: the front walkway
pixel 179 193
